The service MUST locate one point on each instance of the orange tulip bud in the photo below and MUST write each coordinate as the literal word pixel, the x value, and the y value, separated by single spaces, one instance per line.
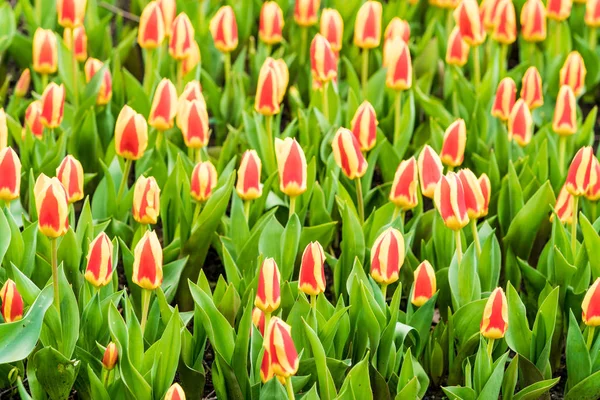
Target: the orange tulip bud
pixel 590 308
pixel 559 10
pixel 267 91
pixel 76 41
pixel 10 174
pixel 397 27
pixel 175 392
pixel 533 21
pixel 99 261
pixel 70 12
pixel 147 262
pixel 224 30
pixel 53 103
pixel 474 200
pixel 582 173
pixel 33 119
pixel 505 99
pixel 387 256
pixel 70 174
pixel 367 28
pixel 193 121
pixel 404 187
pixel 12 302
pixel 449 200
pixel 486 190
pixel 248 185
pixel 204 180
pixel 332 27
pixel 146 200
pixel 312 272
pixel 111 354
pixel 489 10
pixel 52 206
pixel 520 124
pixel 531 88
pixel 573 72
pixel 45 52
pixel 271 23
pixel 592 13
pixel 564 206
pixel 468 21
pixel 455 140
pixel 93 65
pixel 364 126
pixel 495 316
pixel 192 60
pixel 430 171
pixel 268 295
pixel 399 64
pixel 131 134
pixel 164 106
pixel 258 319
pixel 425 284
pixel 305 12
pixel 323 61
pixel 281 349
pixel 291 163
pixel 182 38
pixel 168 10
pixel 505 29
pixel 151 30
pixel 22 85
pixel 457 51
pixel 564 122
pixel 347 154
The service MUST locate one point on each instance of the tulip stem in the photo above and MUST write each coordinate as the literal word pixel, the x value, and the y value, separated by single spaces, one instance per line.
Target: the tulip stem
pixel 590 338
pixel 227 67
pixel 574 227
pixel 179 76
pixel 477 67
pixel 325 101
pixel 313 301
pixel 304 39
pixel 54 250
pixel 145 306
pixel 44 81
pixel 289 388
pixel 562 147
pixel 292 206
pixel 395 214
pixel 365 71
pixel 503 59
pixel 458 242
pixel 449 22
pixel 397 110
pixel 384 291
pixel 476 237
pixel 265 336
pixel 593 38
pixel 196 212
pixel 124 178
pixel 490 347
pixel 359 200
pixel 74 66
pixel 148 73
pixel 106 377
pixel 247 209
pixel 270 144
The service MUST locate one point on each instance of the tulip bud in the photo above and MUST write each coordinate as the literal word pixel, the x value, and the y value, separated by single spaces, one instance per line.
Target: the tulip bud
pixel 151 30
pixel 10 174
pixel 457 51
pixel 486 190
pixel 564 122
pixel 22 86
pixel 70 174
pixel 364 126
pixel 93 65
pixel 468 21
pixel 347 154
pixel 99 261
pixel 505 99
pixel 520 124
pixel 387 256
pixel 533 21
pixel 164 106
pixel 204 180
pixel 168 10
pixel 332 28
pixel 12 302
pixel 592 13
pixel 582 175
pixel 266 372
pixel 52 206
pixel 182 38
pixel 268 295
pixel 474 200
pixel 270 23
pixel 281 349
pixel 45 52
pixel 131 134
pixel 455 140
pixel 559 10
pixel 449 200
pixel 283 76
pixel 53 103
pixel 399 64
pixel 175 392
pixel 505 29
pixel 573 72
pixel 430 171
pixel 305 12
pixel 258 319
pixel 146 200
pixel 248 185
pixel 76 41
pixel 564 206
pixel 323 61
pixel 70 12
pixel 397 27
pixel 191 91
pixel 425 284
pixel 193 121
pixel 495 316
pixel 291 163
pixel 33 119
pixel 312 273
pixel 111 354
pixel 489 10
pixel 367 28
pixel 224 30
pixel 590 308
pixel 147 262
pixel 531 88
pixel 192 60
pixel 267 91
pixel 404 187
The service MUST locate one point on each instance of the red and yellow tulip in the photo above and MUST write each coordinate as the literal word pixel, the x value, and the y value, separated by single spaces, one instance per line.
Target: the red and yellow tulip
pixel 52 206
pixel 248 185
pixel 449 200
pixel 147 262
pixel 404 187
pixel 387 256
pixel 505 99
pixel 99 267
pixel 204 180
pixel 311 280
pixel 268 295
pixel 53 103
pixel 131 134
pixel 424 285
pixel 520 123
pixel 12 302
pixel 291 164
pixel 430 171
pixel 146 200
pixel 494 322
pixel 224 30
pixel 70 174
pixel 455 140
pixel 564 122
pixel 271 23
pixel 10 174
pixel 347 154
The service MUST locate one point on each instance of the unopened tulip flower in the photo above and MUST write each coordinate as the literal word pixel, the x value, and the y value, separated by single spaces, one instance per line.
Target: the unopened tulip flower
pixel 474 200
pixel 270 23
pixel 3 129
pixel 258 320
pixel 193 121
pixel 449 200
pixel 70 12
pixel 531 88
pixel 397 27
pixel 564 206
pixel 76 41
pixel 533 21
pixel 468 21
pixel 146 200
pixel 111 354
pixel 323 60
pixel 489 10
pixel 12 302
pixel 182 37
pixel 281 348
pixel 191 91
pixel 147 262
pixel 283 76
pixel 268 295
pixel 22 85
pixel 52 206
pixel 347 154
pixel 224 30
pixel 10 174
pixel 592 14
pixel 168 10
pixel 164 106
pixel 486 189
pixel 425 284
pixel 204 180
pixel 248 185
pixel 505 27
pixel 582 174
pixel 151 30
pixel 367 28
pixel 193 59
pixel 266 372
pixel 70 174
pixel 267 91
pixel 457 51
pixel 590 307
pixel 505 99
pixel 455 140
pixel 495 316
pixel 33 118
pixel 291 164
pixel 399 64
pixel 311 280
pixel 387 257
pixel 332 27
pixel 559 10
pixel 93 65
pixel 573 72
pixel 53 103
pixel 520 124
pixel 175 392
pixel 131 134
pixel 45 52
pixel 305 12
pixel 364 126
pixel 430 171
pixel 564 122
pixel 99 267
pixel 404 187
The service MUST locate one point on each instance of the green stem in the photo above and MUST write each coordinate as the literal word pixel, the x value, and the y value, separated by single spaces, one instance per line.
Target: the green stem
pixel 201 16
pixel 198 156
pixel 247 209
pixel 449 22
pixel 160 136
pixel 196 212
pixel 289 388
pixel 145 306
pixel 365 71
pixel 303 43
pixel 75 69
pixel 124 178
pixel 292 206
pixel 477 67
pixel 397 110
pixel 532 47
pixel 271 159
pixel 590 338
pixel 593 38
pixel 384 291
pixel 179 76
pixel 490 347
pixel 38 11
pixel 325 101
pixel 360 201
pixel 574 227
pixel 106 377
pixel 458 242
pixel 476 236
pixel 313 301
pixel 395 214
pixel 503 59
pixel 227 66
pixel 267 320
pixel 54 250
pixel 149 73
pixel 269 49
pixel 562 147
pixel 44 81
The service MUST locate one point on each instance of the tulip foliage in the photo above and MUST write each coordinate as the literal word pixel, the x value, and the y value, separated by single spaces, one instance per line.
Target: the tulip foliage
pixel 309 199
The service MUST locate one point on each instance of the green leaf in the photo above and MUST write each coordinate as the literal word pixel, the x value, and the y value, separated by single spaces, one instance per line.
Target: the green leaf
pixel 324 378
pixel 536 390
pixel 289 247
pixel 353 246
pixel 97 389
pixel 543 330
pixel 579 364
pixel 357 384
pixel 588 389
pixel 463 279
pixel 491 390
pixel 167 352
pixel 55 373
pixel 518 335
pixel 591 240
pixel 274 390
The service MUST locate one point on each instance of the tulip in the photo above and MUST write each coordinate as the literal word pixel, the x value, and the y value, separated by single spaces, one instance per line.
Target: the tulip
pixel 311 280
pixel 33 118
pixel 281 349
pixel 291 164
pixel 12 302
pixel 495 316
pixel 367 28
pixel 573 72
pixel 111 354
pixel 204 180
pixel 193 121
pixel 248 185
pixel 364 126
pixel 283 76
pixel 271 23
pixel 45 52
pixel 505 27
pixel 10 174
pixel 99 261
pixel 533 21
pixel 399 64
pixel 175 392
pixel 404 187
pixel 151 30
pixel 564 206
pixel 564 122
pixel 192 91
pixel 22 85
pixel 468 21
pixel 188 64
pixel 592 19
pixel 347 155
pixel 520 124
pixel 146 200
pixel 457 51
pixel 474 202
pixel 70 12
pixel 164 106
pixel 224 30
pixel 593 192
pixel 268 295
pixel 430 171
pixel 258 319
pixel 486 190
pixel 267 91
pixel 559 10
pixel 332 28
pixel 449 200
pixel 397 27
pixel 455 140
pixel 590 307
pixel 323 60
pixel 531 88
pixel 70 174
pixel 305 12
pixel 131 134
pixel 168 10
pixel 53 103
pixel 425 284
pixel 52 206
pixel 93 65
pixel 266 372
pixel 76 41
pixel 505 99
pixel 147 269
pixel 387 257
pixel 182 37
pixel 489 11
